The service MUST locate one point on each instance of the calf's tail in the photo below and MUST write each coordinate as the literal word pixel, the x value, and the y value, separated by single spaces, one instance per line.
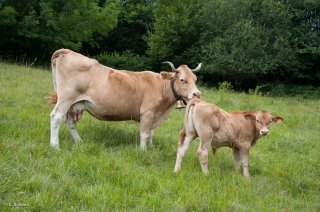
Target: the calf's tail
pixel 191 103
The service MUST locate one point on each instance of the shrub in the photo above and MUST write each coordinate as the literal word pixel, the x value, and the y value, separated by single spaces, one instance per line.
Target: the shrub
pixel 259 90
pixel 225 86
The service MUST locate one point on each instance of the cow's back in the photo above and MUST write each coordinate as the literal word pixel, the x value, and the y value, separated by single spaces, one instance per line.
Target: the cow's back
pixel 225 129
pixel 68 61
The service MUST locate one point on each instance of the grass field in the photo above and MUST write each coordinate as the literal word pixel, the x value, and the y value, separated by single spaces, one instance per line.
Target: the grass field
pixel 109 171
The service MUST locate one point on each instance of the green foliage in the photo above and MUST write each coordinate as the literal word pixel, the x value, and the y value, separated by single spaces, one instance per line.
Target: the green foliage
pixel 108 171
pixel 225 86
pixel 255 41
pixel 124 61
pixel 240 40
pixel 239 52
pixel 7 16
pixel 175 30
pixel 306 92
pixel 49 25
pixel 258 90
pixel 135 19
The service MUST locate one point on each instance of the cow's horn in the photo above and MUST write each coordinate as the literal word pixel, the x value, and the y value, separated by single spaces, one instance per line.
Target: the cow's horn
pixel 172 66
pixel 197 69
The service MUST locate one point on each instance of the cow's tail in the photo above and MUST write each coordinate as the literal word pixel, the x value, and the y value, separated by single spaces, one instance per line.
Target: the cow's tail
pixel 191 103
pixel 53 99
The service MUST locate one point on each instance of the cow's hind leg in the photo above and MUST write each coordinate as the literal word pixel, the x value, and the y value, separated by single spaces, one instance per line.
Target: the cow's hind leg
pixel 72 124
pixel 56 116
pixel 74 116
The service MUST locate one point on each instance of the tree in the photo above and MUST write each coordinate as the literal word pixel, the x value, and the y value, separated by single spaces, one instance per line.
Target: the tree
pixel 135 19
pixel 175 30
pixel 46 25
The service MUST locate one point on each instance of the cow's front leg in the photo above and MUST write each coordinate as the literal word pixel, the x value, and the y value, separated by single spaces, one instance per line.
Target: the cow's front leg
pixel 237 159
pixel 151 137
pixel 145 129
pixel 244 153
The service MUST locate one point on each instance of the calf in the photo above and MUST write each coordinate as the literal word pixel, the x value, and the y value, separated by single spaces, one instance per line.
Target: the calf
pixel 239 130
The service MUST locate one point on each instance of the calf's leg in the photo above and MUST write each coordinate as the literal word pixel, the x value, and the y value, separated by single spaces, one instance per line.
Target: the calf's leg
pixel 203 155
pixel 244 153
pixel 237 159
pixel 182 148
pixel 151 138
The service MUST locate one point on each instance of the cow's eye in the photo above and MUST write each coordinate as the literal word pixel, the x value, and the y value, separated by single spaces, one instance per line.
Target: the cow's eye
pixel 184 81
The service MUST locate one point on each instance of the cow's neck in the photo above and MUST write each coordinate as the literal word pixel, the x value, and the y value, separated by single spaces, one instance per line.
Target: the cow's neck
pixel 168 94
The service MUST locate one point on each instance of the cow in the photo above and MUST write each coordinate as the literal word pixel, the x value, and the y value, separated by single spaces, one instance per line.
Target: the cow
pixel 239 130
pixel 83 84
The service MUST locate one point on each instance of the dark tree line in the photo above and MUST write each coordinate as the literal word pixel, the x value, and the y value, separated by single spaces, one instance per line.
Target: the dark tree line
pixel 238 41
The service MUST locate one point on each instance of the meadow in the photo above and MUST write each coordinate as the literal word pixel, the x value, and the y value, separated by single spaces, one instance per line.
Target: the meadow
pixel 108 171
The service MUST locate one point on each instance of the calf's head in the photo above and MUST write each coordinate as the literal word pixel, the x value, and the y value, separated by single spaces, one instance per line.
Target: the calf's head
pixel 184 80
pixel 262 121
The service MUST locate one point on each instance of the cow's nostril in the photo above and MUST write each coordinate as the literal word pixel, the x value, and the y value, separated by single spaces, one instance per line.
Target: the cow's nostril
pixel 197 94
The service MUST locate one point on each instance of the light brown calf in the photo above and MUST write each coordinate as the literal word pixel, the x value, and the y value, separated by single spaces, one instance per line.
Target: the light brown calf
pixel 239 130
pixel 81 83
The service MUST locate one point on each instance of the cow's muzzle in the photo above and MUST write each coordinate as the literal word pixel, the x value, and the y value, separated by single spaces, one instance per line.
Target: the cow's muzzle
pixel 264 132
pixel 196 94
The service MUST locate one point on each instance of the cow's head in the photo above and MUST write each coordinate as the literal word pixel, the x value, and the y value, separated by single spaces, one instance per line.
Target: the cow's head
pixel 262 121
pixel 184 80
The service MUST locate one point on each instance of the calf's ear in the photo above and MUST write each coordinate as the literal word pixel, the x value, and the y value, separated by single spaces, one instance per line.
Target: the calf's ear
pixel 277 119
pixel 167 75
pixel 249 116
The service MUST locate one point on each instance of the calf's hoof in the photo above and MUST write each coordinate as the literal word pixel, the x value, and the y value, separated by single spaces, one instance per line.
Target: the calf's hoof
pixel 55 146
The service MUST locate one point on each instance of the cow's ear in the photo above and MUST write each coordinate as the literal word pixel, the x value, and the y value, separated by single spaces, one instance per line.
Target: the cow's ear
pixel 277 119
pixel 249 116
pixel 167 75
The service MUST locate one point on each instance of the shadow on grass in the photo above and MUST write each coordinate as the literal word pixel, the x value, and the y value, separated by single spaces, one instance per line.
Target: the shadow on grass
pixel 113 134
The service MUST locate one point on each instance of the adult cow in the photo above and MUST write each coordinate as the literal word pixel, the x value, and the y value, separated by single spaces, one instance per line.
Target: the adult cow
pixel 82 83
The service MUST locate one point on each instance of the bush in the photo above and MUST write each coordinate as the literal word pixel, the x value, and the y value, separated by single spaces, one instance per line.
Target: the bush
pixel 124 61
pixel 259 90
pixel 225 86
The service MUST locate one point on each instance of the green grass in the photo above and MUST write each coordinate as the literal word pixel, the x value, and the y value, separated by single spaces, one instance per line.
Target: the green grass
pixel 109 171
